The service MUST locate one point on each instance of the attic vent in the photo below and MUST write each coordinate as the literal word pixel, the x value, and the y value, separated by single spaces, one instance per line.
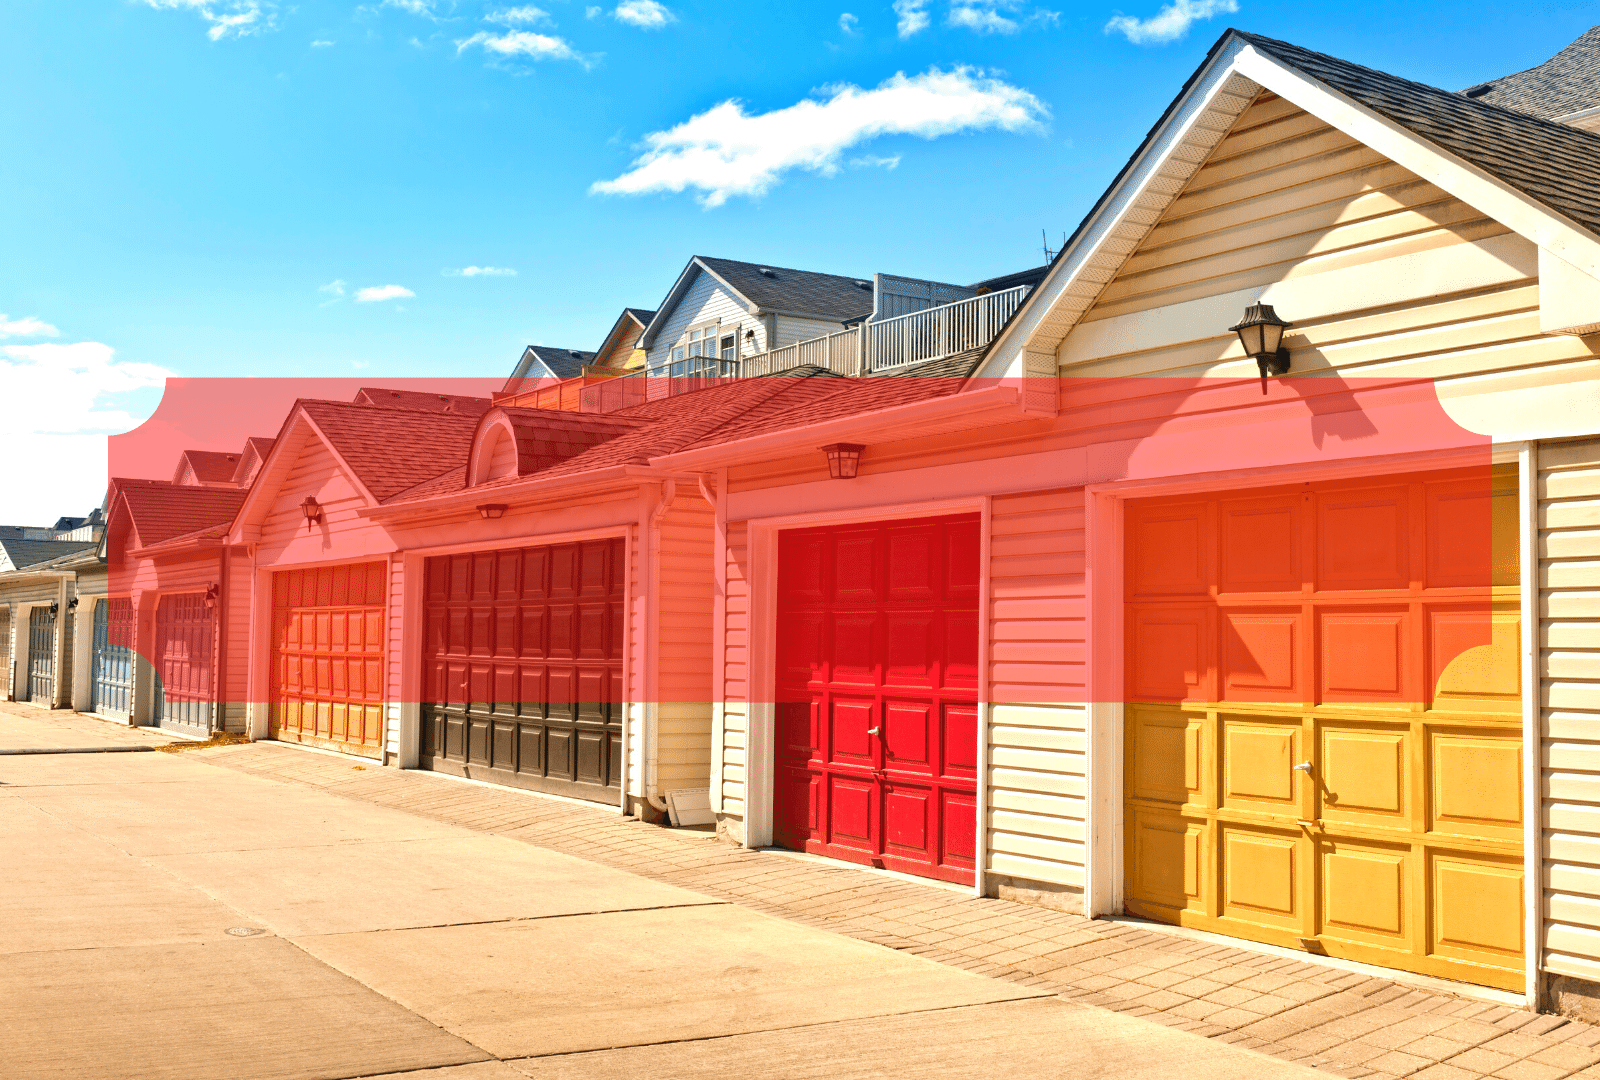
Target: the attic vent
pixel 766 272
pixel 574 352
pixel 867 285
pixel 1479 91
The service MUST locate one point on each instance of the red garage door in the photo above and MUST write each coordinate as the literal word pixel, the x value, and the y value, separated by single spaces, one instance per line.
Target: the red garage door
pixel 877 692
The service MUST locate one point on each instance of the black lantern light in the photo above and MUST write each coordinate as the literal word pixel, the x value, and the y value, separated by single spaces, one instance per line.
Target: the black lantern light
pixel 1261 334
pixel 843 459
pixel 491 510
pixel 55 608
pixel 213 592
pixel 312 509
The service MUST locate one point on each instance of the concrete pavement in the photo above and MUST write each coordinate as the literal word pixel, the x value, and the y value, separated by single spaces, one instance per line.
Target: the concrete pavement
pixel 169 917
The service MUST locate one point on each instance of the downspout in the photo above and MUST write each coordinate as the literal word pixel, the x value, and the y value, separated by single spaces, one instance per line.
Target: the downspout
pixel 669 492
pixel 219 720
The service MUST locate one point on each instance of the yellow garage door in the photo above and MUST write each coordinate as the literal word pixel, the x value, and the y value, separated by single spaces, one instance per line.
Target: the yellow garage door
pixel 1323 729
pixel 327 686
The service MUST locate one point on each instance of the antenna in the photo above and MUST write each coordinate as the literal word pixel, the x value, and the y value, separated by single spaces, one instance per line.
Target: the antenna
pixel 1049 256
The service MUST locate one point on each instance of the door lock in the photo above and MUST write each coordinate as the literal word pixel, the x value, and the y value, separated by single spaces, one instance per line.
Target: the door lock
pixel 873 730
pixel 1304 766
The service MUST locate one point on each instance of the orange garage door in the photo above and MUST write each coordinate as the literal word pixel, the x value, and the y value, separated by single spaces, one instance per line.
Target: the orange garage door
pixel 1323 736
pixel 327 662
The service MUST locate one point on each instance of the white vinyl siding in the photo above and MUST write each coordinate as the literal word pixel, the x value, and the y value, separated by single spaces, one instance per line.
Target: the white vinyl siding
pixel 1569 660
pixel 704 301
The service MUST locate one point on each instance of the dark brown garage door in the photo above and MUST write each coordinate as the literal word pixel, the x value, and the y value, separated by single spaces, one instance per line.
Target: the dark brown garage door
pixel 523 667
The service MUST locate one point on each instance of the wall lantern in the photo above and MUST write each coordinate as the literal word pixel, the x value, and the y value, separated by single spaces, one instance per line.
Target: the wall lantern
pixel 55 608
pixel 843 459
pixel 312 509
pixel 492 510
pixel 1261 334
pixel 72 605
pixel 213 591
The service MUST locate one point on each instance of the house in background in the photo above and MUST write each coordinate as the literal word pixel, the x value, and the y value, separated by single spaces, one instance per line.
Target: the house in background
pixel 620 351
pixel 1565 89
pixel 40 585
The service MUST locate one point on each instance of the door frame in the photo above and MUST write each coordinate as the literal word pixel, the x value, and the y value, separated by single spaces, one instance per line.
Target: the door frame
pixel 1105 508
pixel 760 724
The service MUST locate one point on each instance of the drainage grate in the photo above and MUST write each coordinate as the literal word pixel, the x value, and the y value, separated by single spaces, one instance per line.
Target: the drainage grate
pixel 245 931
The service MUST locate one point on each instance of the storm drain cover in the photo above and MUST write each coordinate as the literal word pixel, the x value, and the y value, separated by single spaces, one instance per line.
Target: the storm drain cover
pixel 245 931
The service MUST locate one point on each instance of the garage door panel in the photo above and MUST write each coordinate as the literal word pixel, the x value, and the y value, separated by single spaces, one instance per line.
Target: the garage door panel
pixel 876 748
pixel 328 669
pixel 1363 727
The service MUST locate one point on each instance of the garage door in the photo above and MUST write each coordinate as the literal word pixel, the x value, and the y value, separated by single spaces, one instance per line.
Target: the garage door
pixel 523 667
pixel 5 653
pixel 1323 740
pixel 327 684
pixel 184 661
pixel 41 656
pixel 877 691
pixel 111 665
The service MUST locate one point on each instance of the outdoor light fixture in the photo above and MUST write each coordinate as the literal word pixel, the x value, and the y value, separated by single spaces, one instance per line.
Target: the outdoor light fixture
pixel 492 510
pixel 72 605
pixel 55 608
pixel 843 459
pixel 213 591
pixel 312 510
pixel 1261 334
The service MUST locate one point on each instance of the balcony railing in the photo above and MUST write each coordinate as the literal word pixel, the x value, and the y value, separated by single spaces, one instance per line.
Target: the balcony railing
pixel 931 334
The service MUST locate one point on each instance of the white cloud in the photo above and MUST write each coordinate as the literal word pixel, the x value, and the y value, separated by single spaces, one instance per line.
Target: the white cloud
pixel 424 8
pixel 982 19
pixel 912 16
pixel 527 15
pixel 872 161
pixel 1170 23
pixel 26 327
pixel 87 390
pixel 382 292
pixel 591 12
pixel 235 18
pixel 645 14
pixel 333 288
pixel 725 151
pixel 321 44
pixel 848 23
pixel 519 43
pixel 482 271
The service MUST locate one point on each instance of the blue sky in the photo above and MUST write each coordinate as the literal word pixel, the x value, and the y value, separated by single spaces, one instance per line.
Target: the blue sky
pixel 185 181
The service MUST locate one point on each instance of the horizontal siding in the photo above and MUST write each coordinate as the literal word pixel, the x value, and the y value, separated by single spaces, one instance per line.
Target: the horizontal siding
pixel 1569 659
pixel 1037 727
pixel 702 301
pixel 735 674
pixel 683 653
pixel 788 330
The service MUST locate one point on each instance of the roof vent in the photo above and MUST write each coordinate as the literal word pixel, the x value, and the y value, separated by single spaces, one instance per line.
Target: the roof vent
pixel 864 285
pixel 1479 91
pixel 768 272
pixel 575 352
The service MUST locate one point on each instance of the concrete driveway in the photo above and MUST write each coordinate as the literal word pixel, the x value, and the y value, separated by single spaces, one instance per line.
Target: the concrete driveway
pixel 166 918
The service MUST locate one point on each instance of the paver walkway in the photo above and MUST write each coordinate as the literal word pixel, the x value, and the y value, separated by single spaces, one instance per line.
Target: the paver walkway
pixel 1344 1023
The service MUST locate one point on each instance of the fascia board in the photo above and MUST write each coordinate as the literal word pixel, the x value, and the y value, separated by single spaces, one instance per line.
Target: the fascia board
pixel 1005 352
pixel 534 486
pixel 188 547
pixel 1546 227
pixel 744 449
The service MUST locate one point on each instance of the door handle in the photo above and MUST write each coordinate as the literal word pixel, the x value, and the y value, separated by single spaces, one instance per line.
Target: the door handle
pixel 873 730
pixel 1304 766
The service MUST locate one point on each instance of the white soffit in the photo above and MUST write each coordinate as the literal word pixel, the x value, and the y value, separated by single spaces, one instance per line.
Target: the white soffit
pixel 1236 76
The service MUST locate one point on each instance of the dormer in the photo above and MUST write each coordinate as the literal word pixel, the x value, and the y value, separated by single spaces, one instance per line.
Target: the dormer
pixel 514 442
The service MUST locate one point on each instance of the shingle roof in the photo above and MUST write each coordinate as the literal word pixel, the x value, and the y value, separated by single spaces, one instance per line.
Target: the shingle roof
pixel 162 511
pixel 391 450
pixel 20 554
pixel 641 314
pixel 1031 276
pixel 208 466
pixel 1566 83
pixel 563 363
pixel 419 400
pixel 796 292
pixel 1555 164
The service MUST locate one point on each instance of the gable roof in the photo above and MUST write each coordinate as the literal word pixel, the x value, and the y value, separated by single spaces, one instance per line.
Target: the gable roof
pixel 390 450
pixel 640 315
pixel 544 361
pixel 1553 163
pixel 419 400
pixel 160 511
pixel 20 554
pixel 1539 178
pixel 251 457
pixel 1567 83
pixel 766 289
pixel 208 466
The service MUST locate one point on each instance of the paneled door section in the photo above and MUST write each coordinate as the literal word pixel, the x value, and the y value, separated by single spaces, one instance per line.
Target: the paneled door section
pixel 41 656
pixel 523 667
pixel 111 666
pixel 1323 736
pixel 877 694
pixel 185 663
pixel 327 682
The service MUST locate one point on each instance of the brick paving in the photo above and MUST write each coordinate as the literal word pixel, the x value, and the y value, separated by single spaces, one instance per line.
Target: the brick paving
pixel 1340 1022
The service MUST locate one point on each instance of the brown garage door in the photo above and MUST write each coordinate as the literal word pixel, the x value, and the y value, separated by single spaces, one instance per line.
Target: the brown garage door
pixel 327 663
pixel 523 667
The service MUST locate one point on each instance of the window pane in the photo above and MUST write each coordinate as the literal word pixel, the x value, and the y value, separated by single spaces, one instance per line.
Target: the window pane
pixel 694 335
pixel 677 354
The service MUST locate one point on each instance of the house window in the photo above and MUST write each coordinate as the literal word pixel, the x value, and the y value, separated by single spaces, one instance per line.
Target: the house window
pixel 703 341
